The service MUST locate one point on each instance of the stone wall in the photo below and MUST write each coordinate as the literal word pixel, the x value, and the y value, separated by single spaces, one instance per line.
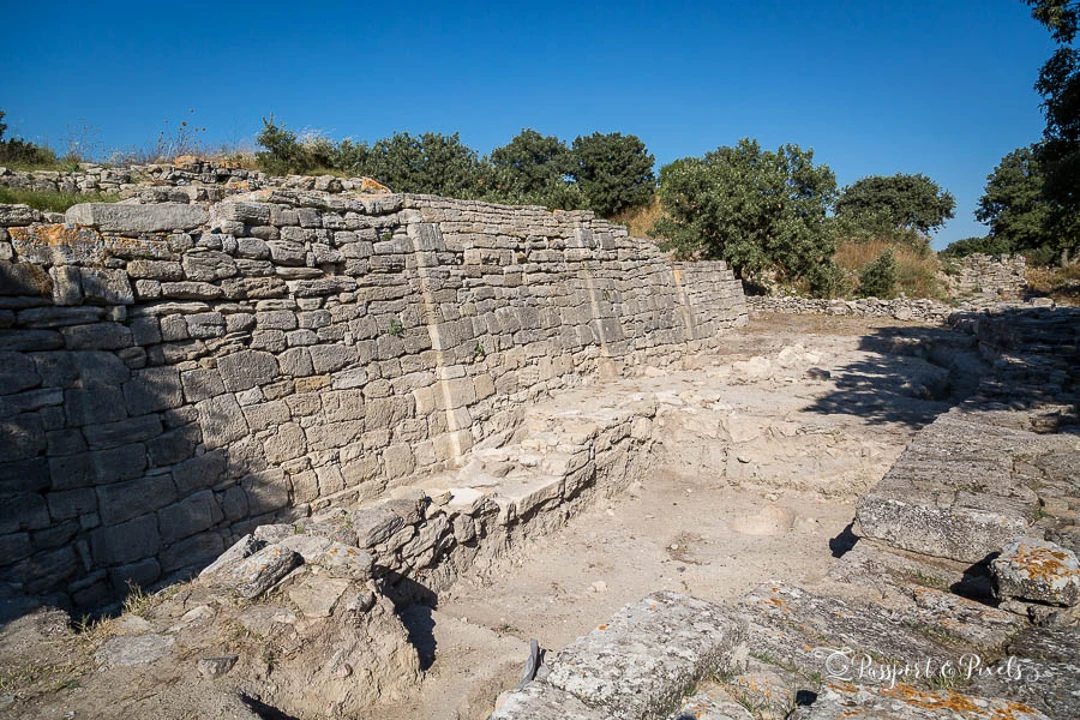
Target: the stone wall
pixel 173 375
pixel 992 277
pixel 898 308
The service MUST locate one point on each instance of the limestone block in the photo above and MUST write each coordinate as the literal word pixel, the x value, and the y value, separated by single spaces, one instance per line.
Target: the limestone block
pixel 1037 570
pixel 247 369
pixel 115 217
pixel 254 575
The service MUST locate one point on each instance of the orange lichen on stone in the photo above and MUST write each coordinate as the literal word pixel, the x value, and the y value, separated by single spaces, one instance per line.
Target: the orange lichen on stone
pixel 1043 563
pixel 367 185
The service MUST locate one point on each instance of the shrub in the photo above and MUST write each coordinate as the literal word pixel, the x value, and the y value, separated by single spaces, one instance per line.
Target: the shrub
pixel 287 154
pixel 989 245
pixel 19 153
pixel 878 279
pixel 763 212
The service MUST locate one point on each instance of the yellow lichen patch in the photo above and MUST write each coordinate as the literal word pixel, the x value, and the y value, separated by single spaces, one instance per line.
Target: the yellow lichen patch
pixel 57 243
pixel 1043 563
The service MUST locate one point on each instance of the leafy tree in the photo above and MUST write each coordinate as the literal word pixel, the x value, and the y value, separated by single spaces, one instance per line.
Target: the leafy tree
pixel 613 171
pixel 1013 204
pixel 763 212
pixel 431 163
pixel 904 203
pixel 878 279
pixel 989 245
pixel 531 166
pixel 1059 86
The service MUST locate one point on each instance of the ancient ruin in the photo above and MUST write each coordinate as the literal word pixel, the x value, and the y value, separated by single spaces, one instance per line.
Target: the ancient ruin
pixel 279 447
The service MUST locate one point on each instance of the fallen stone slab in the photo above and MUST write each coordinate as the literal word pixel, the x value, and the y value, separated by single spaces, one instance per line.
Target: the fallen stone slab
pixel 129 650
pixel 639 664
pixel 540 701
pixel 1037 570
pixel 1041 669
pixel 117 217
pixel 953 492
pixel 791 627
pixel 257 573
pixel 839 701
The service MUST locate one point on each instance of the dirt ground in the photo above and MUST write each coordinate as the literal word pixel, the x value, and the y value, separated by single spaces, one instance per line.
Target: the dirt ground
pixel 774 502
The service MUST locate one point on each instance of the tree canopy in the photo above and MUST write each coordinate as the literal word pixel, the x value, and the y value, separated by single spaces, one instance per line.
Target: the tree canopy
pixel 762 211
pixel 887 204
pixel 1012 204
pixel 613 172
pixel 1059 86
pixel 535 169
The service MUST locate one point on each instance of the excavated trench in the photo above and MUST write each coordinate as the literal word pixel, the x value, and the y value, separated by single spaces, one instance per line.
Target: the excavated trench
pixel 739 467
pixel 752 466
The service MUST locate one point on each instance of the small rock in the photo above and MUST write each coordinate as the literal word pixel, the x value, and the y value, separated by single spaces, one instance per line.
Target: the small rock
pixel 128 650
pixel 1037 570
pixel 598 587
pixel 816 373
pixel 215 667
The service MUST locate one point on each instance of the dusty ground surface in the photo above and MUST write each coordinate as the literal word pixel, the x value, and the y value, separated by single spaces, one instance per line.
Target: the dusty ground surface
pixel 759 456
pixel 755 478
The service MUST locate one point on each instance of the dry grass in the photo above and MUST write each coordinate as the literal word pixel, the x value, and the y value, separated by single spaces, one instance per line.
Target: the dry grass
pixel 640 220
pixel 1060 283
pixel 916 272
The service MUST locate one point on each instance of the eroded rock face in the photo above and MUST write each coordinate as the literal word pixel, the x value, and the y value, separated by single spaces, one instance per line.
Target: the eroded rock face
pixel 1037 570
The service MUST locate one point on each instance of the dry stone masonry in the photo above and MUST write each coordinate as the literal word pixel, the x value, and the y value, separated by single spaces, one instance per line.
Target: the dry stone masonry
pixel 175 374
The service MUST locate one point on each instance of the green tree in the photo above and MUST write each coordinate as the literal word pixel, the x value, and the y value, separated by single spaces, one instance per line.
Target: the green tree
pixel 613 171
pixel 763 212
pixel 431 163
pixel 1013 204
pixel 530 165
pixel 988 245
pixel 878 279
pixel 1059 86
pixel 886 205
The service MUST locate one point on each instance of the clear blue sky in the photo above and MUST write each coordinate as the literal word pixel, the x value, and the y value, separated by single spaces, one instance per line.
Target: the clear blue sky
pixel 942 87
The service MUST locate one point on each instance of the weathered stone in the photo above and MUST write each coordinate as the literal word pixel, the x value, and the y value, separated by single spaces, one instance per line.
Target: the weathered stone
pixel 316 597
pixel 126 542
pixel 638 664
pixel 1037 570
pixel 247 369
pixel 160 217
pixel 24 279
pixel 375 524
pixel 191 515
pixel 99 336
pixel 257 573
pixel 108 287
pixel 121 501
pixel 132 650
pixel 153 389
pixel 136 429
pixel 221 420
pixel 215 667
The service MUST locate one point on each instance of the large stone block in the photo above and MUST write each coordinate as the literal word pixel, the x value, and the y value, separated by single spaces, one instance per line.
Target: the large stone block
pixel 1037 570
pixel 221 421
pixel 152 390
pixel 127 542
pixel 159 217
pixel 124 500
pixel 246 369
pixel 191 515
pixel 97 468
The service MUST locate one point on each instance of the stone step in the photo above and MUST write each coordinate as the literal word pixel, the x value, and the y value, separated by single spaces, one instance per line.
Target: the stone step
pixel 636 666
